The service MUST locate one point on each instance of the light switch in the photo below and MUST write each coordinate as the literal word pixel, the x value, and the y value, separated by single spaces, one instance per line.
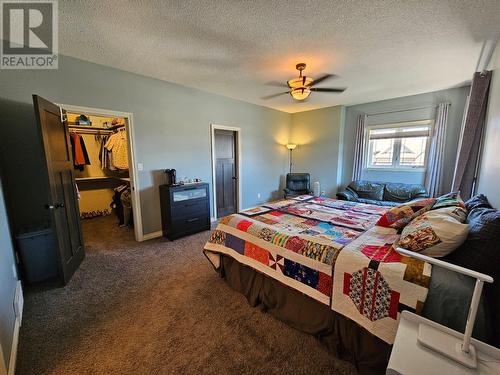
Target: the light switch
pixel 140 166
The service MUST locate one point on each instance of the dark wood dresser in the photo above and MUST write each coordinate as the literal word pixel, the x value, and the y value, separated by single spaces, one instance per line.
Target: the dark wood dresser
pixel 185 209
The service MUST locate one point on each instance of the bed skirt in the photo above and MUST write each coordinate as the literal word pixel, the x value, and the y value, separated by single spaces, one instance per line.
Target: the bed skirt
pixel 343 337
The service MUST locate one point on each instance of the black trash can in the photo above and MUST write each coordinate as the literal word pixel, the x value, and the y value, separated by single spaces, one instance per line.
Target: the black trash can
pixel 37 253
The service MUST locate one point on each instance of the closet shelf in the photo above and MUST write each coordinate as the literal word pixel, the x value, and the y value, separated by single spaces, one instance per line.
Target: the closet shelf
pixel 94 128
pixel 101 178
pixel 81 179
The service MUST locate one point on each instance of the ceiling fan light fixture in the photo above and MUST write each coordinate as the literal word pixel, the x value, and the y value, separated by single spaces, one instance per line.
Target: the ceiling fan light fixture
pixel 301 93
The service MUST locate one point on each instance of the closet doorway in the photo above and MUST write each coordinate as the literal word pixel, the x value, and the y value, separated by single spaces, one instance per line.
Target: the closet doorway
pixel 104 160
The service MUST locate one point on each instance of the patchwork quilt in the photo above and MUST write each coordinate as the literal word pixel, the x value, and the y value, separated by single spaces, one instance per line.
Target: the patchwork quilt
pixel 373 283
pixel 331 251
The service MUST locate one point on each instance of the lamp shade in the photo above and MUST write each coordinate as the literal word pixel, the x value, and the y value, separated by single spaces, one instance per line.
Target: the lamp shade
pixel 291 146
pixel 300 82
pixel 300 93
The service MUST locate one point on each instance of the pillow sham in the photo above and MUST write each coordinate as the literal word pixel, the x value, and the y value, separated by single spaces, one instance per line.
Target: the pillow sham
pixel 398 217
pixel 436 233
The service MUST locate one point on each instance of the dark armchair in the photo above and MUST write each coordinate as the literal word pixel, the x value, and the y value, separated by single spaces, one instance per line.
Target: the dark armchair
pixel 297 184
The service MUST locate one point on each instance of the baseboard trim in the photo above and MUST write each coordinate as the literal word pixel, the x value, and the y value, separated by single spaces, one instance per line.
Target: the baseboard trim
pixel 18 310
pixel 152 235
pixel 13 350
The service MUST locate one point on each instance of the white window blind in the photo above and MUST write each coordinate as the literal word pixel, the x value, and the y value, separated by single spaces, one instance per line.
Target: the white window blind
pixel 394 133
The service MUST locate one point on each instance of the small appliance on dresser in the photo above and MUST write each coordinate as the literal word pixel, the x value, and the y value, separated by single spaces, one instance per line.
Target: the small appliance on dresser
pixel 185 209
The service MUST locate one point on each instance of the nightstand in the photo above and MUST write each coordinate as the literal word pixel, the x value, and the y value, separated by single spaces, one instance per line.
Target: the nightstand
pixel 409 357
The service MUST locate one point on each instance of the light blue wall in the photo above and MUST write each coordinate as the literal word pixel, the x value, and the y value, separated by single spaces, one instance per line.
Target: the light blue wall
pixel 318 136
pixel 489 173
pixel 172 129
pixel 326 137
pixel 8 282
pixel 457 98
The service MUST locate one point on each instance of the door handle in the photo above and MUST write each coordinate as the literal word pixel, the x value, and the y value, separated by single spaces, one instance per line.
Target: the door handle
pixel 54 206
pixel 235 178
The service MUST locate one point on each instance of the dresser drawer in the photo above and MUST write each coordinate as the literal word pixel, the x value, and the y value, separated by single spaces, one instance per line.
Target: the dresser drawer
pixel 190 208
pixel 190 223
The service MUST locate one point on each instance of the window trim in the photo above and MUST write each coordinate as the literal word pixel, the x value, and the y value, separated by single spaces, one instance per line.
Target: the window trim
pixel 397 147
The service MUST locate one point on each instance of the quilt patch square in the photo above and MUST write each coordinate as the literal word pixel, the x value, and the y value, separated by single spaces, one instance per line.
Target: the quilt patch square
pixel 310 232
pixel 243 225
pixel 311 222
pixel 267 234
pixel 218 237
pixel 255 211
pixel 235 243
pixel 324 226
pixel 255 252
pixel 384 254
pixel 266 220
pixel 280 239
pixel 325 284
pixel 296 244
pixel 371 294
pixel 301 273
pixel 276 263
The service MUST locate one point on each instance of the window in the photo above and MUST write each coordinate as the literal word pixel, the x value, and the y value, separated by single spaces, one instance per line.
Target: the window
pixel 398 146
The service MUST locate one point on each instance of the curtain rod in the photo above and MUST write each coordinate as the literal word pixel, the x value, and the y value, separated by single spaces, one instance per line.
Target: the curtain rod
pixel 403 110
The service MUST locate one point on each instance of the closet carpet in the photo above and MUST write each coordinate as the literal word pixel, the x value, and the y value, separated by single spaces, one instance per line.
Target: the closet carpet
pixel 156 307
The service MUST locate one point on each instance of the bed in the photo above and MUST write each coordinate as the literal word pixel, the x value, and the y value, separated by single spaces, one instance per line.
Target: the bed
pixel 324 267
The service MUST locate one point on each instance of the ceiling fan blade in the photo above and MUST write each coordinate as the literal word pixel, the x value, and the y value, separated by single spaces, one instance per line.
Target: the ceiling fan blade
pixel 322 78
pixel 274 95
pixel 326 89
pixel 276 84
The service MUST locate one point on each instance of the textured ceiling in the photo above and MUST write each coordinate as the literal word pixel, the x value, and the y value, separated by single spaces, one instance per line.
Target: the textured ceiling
pixel 378 49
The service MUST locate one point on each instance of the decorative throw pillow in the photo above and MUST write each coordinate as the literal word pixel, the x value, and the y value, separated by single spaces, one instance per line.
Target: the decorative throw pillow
pixel 398 217
pixel 480 252
pixel 449 200
pixel 436 233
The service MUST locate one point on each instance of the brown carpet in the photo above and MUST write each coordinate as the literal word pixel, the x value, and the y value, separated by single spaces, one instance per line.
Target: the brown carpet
pixel 156 307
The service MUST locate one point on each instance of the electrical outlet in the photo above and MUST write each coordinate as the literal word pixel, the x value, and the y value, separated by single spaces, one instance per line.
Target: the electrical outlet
pixel 258 195
pixel 140 166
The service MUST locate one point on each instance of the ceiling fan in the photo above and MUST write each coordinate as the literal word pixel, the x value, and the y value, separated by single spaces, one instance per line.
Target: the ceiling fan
pixel 301 87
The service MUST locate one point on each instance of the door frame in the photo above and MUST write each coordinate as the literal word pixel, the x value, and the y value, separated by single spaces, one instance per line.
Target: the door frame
pixel 134 177
pixel 214 127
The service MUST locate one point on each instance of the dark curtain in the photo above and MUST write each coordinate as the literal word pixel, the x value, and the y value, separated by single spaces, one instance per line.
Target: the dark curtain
pixel 472 131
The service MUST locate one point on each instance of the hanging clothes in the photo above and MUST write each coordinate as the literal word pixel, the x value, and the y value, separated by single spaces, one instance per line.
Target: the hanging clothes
pixel 118 204
pixel 118 145
pixel 80 155
pixel 126 199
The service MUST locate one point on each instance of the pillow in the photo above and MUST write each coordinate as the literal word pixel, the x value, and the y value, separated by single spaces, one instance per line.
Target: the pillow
pixel 398 217
pixel 449 200
pixel 481 251
pixel 436 233
pixel 479 201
